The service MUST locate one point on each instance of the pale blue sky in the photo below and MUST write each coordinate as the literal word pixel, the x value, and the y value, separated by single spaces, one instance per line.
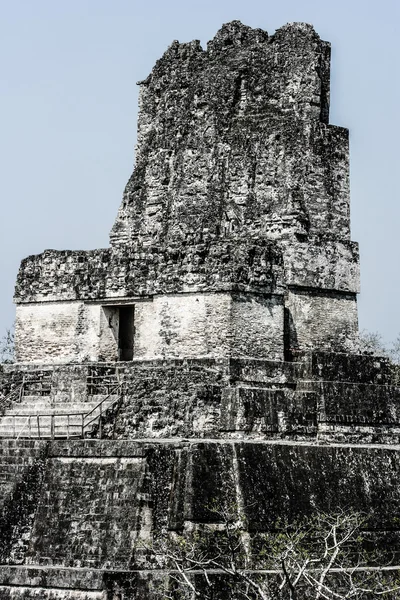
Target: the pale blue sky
pixel 68 104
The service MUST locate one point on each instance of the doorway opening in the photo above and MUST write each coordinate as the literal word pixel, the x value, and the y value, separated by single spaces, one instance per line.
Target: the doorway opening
pixel 126 331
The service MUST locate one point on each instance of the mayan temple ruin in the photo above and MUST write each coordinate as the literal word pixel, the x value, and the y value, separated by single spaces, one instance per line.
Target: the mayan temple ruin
pixel 209 357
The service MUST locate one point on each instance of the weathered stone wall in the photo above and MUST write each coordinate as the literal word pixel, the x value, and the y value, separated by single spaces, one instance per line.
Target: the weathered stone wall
pixel 196 265
pixel 100 500
pixel 322 264
pixel 186 324
pixel 257 324
pixel 89 512
pixel 168 326
pixel 195 325
pixel 57 332
pixel 323 320
pixel 335 397
pixel 191 325
pixel 206 266
pixel 235 139
pixel 22 470
pixel 256 399
pixel 42 582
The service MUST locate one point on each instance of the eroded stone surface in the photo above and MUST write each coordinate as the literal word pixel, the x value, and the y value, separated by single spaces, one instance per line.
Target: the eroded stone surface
pixel 233 141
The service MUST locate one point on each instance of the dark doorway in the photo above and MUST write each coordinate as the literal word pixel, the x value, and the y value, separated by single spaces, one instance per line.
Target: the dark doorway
pixel 126 332
pixel 290 344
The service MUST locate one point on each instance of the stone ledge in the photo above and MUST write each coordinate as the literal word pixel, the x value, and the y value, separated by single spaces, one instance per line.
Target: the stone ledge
pixel 51 577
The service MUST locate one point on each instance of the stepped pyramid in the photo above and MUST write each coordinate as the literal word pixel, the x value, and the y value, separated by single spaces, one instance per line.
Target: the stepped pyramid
pixel 209 355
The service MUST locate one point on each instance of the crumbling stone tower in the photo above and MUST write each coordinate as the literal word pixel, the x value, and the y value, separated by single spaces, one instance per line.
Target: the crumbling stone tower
pixel 233 237
pixel 207 353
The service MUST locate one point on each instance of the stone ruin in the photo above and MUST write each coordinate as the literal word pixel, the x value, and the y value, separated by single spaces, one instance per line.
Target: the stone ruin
pixel 215 340
pixel 233 237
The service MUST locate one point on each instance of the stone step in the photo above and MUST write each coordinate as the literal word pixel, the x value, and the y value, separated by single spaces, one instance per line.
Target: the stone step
pixel 8 424
pixel 23 446
pixel 9 467
pixel 62 419
pixel 32 406
pixel 62 427
pixel 73 431
pixel 50 401
pixel 74 583
pixel 44 411
pixel 47 409
pixel 24 424
pixel 56 408
pixel 19 457
pixel 44 421
pixel 5 430
pixel 34 398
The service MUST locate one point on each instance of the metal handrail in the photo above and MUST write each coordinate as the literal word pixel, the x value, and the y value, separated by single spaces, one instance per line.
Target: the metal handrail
pixel 100 404
pixel 28 420
pixel 5 401
pixel 83 424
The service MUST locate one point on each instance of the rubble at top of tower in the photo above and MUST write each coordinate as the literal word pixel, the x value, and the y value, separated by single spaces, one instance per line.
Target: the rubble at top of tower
pixel 234 141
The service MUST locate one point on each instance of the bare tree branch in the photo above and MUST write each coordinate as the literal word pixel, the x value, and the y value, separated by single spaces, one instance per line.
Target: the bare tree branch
pixel 309 559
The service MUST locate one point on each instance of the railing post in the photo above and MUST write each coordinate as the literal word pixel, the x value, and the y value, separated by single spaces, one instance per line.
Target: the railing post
pixel 68 427
pixel 83 425
pixel 21 390
pixel 38 425
pixel 100 420
pixel 30 427
pixel 52 428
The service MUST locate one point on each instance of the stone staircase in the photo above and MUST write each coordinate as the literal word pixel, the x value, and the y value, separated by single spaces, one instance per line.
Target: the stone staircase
pixel 40 417
pixel 35 408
